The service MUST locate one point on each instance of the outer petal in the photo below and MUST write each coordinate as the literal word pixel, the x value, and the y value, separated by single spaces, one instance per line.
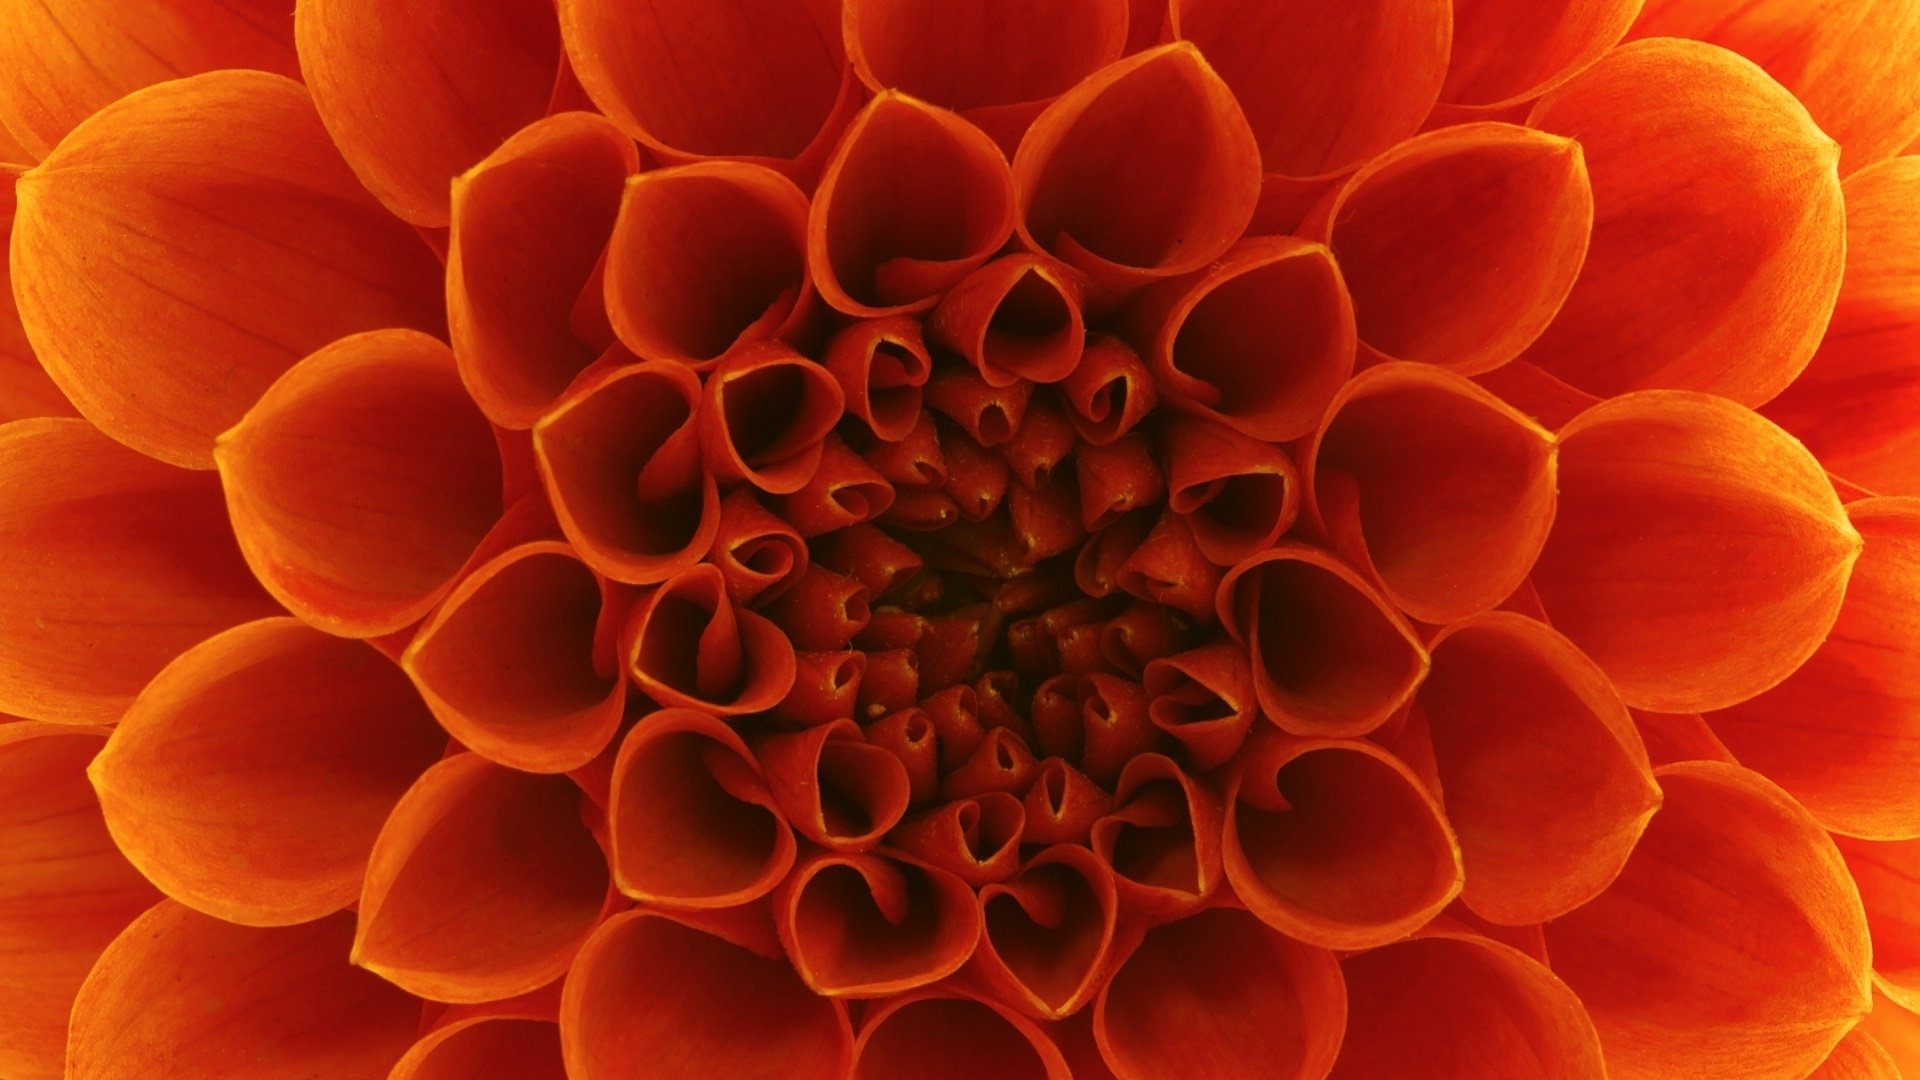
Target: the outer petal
pixel 258 1004
pixel 66 59
pixel 1896 1030
pixel 362 481
pixel 1857 1057
pixel 962 54
pixel 1508 51
pixel 649 996
pixel 474 848
pixel 1888 876
pixel 934 1037
pixel 1733 893
pixel 199 219
pixel 1162 1015
pixel 1717 240
pixel 25 389
pixel 64 891
pixel 1699 554
pixel 482 1046
pixel 110 565
pixel 1855 404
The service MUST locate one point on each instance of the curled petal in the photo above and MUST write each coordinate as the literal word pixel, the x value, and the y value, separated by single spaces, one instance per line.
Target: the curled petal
pixel 110 565
pixel 931 1036
pixel 691 820
pixel 1439 489
pixel 1204 699
pixel 765 416
pixel 975 838
pixel 826 687
pixel 203 218
pixel 413 96
pixel 64 891
pixel 649 995
pixel 280 1003
pixel 872 925
pixel 1337 843
pixel 362 481
pixel 1887 874
pixel 1509 51
pixel 1456 1007
pixel 844 491
pixel 1325 87
pixel 264 824
pixel 688 644
pixel 1732 893
pixel 760 555
pixel 1109 392
pixel 705 258
pixel 1164 120
pixel 1163 840
pixel 1698 554
pixel 481 1046
pixel 1237 494
pixel 529 226
pixel 881 364
pixel 1543 773
pixel 1049 932
pixel 1460 245
pixel 1016 319
pixel 838 790
pixel 474 847
pixel 1160 1013
pixel 1717 238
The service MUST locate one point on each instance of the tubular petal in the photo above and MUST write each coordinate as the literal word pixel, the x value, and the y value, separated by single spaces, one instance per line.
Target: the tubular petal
pixel 1049 932
pixel 1162 840
pixel 688 644
pixel 765 415
pixel 1336 843
pixel 1324 86
pixel 64 891
pixel 691 821
pixel 1460 245
pixel 1732 893
pixel 649 996
pixel 705 258
pixel 110 565
pixel 936 1037
pixel 1166 122
pixel 1237 494
pixel 415 95
pixel 529 226
pixel 1887 874
pixel 264 824
pixel 510 662
pixel 67 59
pixel 967 55
pixel 1717 238
pixel 760 555
pixel 874 925
pixel 976 838
pixel 471 848
pixel 1854 405
pixel 881 364
pixel 1509 51
pixel 483 1046
pixel 203 218
pixel 362 481
pixel 1161 1013
pixel 1542 771
pixel 1699 554
pixel 1460 1007
pixel 240 1004
pixel 1857 1057
pixel 1443 492
pixel 1016 319
pixel 838 790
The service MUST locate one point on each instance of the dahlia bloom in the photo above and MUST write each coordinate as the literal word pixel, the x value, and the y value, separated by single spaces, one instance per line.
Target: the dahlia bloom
pixel 936 539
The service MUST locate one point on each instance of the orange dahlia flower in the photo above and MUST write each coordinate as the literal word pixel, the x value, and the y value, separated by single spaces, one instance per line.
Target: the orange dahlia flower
pixel 940 539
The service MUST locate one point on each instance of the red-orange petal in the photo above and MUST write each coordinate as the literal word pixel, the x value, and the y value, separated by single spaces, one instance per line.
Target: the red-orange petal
pixel 1162 1015
pixel 362 481
pixel 1717 237
pixel 1461 1007
pixel 933 1036
pixel 241 1003
pixel 470 849
pixel 64 891
pixel 1509 51
pixel 1049 933
pixel 881 364
pixel 1887 873
pixel 687 644
pixel 1896 1029
pixel 874 925
pixel 1858 1056
pixel 112 564
pixel 765 416
pixel 968 55
pixel 203 218
pixel 25 389
pixel 1699 554
pixel 1733 892
pixel 837 789
pixel 478 1047
pixel 1015 319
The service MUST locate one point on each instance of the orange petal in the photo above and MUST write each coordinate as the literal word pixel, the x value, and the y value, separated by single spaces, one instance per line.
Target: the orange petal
pixel 1542 772
pixel 471 848
pixel 962 54
pixel 687 644
pixel 511 663
pixel 1699 554
pixel 1329 656
pixel 838 790
pixel 1857 1057
pixel 1717 238
pixel 765 416
pixel 64 60
pixel 1733 893
pixel 1460 245
pixel 483 1046
pixel 881 364
pixel 1238 494
pixel 1162 1015
pixel 203 218
pixel 362 481
pixel 1459 1007
pixel 1509 51
pixel 1896 1030
pixel 1049 932
pixel 240 1004
pixel 1017 318
pixel 1324 86
pixel 64 891
pixel 530 223
pixel 868 925
pixel 1887 874
pixel 1440 490
pixel 110 565
pixel 1166 122
pixel 1337 843
pixel 1854 405
pixel 264 825
pixel 705 258
pixel 934 1037
pixel 25 389
pixel 1672 737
